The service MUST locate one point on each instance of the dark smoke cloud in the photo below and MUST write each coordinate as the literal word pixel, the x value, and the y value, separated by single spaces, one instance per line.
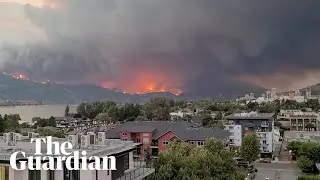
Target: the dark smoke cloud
pixel 211 40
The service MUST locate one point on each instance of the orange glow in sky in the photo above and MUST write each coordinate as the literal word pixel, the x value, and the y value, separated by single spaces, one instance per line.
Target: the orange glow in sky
pixel 145 82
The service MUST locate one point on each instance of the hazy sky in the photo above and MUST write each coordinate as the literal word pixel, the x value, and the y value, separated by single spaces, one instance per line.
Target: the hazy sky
pixel 184 44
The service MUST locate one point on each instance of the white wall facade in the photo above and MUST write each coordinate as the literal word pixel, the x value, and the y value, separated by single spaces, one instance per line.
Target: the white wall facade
pixel 276 135
pixel 235 134
pixel 266 142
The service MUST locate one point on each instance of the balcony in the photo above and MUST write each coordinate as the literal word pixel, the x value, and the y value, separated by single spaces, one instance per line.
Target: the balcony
pixel 138 173
pixel 264 124
pixel 264 145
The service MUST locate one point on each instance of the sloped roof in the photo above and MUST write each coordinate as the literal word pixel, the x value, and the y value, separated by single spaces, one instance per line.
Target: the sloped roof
pixel 183 130
pixel 251 116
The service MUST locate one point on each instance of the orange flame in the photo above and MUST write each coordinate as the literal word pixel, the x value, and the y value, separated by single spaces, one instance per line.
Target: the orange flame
pixel 145 82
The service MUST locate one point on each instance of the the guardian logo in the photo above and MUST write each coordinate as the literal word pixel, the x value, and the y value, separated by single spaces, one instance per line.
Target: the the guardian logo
pixel 55 161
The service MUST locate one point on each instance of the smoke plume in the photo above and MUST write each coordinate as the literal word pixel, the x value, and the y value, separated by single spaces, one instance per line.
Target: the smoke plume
pixel 184 44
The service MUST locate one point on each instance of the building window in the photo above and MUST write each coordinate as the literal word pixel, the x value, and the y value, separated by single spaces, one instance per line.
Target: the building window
pixel 146 141
pixel 124 134
pixel 126 162
pixel 51 175
pixel 4 172
pixel 124 139
pixel 165 143
pixel 34 174
pixel 200 143
pixel 71 174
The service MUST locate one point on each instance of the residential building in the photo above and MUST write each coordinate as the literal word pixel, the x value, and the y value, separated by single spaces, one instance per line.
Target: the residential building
pixel 292 96
pixel 302 136
pixel 93 144
pixel 261 124
pixel 308 93
pixel 235 135
pixel 180 114
pixel 297 120
pixel 155 135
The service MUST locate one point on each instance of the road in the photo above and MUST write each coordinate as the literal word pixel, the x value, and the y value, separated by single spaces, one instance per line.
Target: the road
pixel 285 171
pixel 284 155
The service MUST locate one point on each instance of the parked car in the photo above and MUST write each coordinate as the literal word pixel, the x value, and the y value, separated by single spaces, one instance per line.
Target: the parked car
pixel 266 160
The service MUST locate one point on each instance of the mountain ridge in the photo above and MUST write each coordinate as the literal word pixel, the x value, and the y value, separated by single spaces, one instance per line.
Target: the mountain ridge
pixel 51 93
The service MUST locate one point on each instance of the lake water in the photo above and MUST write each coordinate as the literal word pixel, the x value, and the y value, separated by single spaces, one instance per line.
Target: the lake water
pixel 43 111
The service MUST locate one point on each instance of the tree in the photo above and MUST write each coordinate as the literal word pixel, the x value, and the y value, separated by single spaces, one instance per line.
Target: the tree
pixel 103 117
pixel 66 111
pixel 252 106
pixel 84 109
pixel 250 148
pixel 128 111
pixel 313 104
pixel 25 125
pixel 266 108
pixel 207 120
pixel 52 122
pixel 113 113
pixel 50 132
pixel 308 177
pixel 40 122
pixel 219 116
pixel 310 150
pixel 11 122
pixel 141 118
pixel 181 161
pixel 305 164
pixel 2 125
pixel 294 146
pixel 157 109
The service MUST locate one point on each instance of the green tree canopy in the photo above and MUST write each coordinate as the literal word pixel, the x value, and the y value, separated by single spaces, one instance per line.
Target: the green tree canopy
pixel 250 148
pixel 11 122
pixel 66 111
pixel 212 162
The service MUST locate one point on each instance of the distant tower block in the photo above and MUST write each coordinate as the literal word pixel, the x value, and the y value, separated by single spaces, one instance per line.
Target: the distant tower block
pixel 308 93
pixel 268 94
pixel 273 92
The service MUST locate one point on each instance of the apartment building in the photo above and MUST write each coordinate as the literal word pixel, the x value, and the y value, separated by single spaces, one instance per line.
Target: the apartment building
pixel 261 124
pixel 156 135
pixel 94 144
pixel 235 135
pixel 297 120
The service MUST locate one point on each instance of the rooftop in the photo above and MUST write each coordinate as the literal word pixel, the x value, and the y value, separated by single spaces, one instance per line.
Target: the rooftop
pixel 184 130
pixel 250 115
pixel 112 147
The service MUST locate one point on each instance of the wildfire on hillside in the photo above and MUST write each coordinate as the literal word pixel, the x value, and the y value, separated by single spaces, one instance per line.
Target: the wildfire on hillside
pixel 136 84
pixel 145 82
pixel 21 76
